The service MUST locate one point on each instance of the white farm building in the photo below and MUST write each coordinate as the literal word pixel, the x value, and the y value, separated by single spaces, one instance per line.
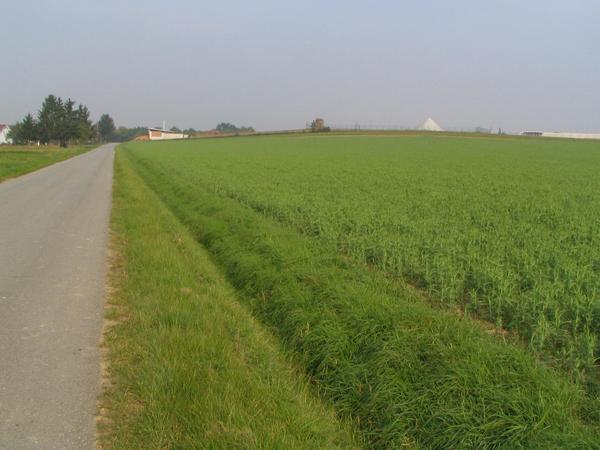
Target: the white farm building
pixel 159 134
pixel 4 129
pixel 430 125
pixel 556 134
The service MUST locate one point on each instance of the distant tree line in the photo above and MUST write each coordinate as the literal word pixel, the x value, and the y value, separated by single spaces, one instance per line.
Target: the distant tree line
pixel 64 122
pixel 226 127
pixel 58 121
pixel 123 134
pixel 188 131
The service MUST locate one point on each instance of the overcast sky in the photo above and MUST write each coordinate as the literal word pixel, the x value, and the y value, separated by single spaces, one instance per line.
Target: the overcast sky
pixel 272 64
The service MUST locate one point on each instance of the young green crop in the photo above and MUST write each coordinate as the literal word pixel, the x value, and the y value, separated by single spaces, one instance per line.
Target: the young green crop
pixel 507 229
pixel 446 215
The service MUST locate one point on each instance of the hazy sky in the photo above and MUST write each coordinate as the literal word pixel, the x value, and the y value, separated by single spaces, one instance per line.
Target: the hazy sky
pixel 515 64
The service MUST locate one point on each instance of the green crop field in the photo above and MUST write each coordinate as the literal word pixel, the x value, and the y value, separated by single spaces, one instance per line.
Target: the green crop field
pixel 437 291
pixel 16 160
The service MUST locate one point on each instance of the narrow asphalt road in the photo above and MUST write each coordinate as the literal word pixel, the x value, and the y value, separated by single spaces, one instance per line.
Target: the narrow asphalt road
pixel 53 239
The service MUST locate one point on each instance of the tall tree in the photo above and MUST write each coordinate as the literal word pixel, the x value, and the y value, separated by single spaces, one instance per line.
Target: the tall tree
pixel 49 118
pixel 106 127
pixel 24 132
pixel 85 128
pixel 14 134
pixel 28 131
pixel 66 123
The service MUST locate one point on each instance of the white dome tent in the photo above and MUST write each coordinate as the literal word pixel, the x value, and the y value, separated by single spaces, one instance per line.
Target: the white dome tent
pixel 430 125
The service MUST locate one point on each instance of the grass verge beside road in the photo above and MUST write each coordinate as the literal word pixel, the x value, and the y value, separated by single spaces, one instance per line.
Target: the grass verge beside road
pixel 188 365
pixel 17 160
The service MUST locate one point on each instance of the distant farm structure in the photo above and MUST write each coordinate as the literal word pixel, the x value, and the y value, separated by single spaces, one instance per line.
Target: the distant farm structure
pixel 4 139
pixel 556 134
pixel 159 134
pixel 430 125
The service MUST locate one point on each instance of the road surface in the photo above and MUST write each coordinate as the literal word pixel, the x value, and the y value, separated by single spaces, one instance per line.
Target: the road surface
pixel 53 239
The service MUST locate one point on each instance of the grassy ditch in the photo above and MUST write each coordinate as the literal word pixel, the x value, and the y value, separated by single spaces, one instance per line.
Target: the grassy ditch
pixel 188 366
pixel 408 374
pixel 17 160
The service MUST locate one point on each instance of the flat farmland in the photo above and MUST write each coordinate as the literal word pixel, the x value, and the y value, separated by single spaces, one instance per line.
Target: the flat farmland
pixel 437 291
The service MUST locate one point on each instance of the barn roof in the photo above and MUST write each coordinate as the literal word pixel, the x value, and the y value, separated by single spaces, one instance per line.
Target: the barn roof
pixel 164 131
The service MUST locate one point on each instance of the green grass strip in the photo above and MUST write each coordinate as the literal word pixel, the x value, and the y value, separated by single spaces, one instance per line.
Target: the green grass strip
pixel 17 160
pixel 408 373
pixel 189 366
